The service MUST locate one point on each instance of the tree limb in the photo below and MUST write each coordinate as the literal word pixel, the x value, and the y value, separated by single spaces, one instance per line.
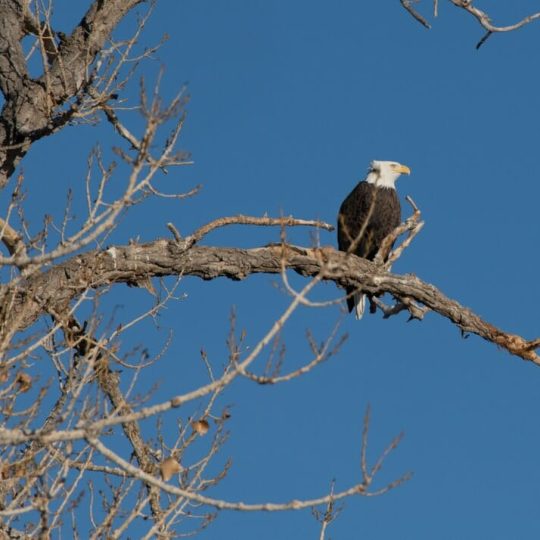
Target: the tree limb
pixel 24 303
pixel 481 16
pixel 31 108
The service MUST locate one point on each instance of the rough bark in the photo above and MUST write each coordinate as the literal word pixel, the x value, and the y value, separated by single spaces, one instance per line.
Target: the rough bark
pixel 50 291
pixel 34 107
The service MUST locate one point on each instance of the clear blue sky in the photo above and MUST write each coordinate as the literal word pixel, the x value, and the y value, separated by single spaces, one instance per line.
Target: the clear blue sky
pixel 290 101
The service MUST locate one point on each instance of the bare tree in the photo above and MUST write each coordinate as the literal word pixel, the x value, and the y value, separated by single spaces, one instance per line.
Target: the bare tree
pixel 62 424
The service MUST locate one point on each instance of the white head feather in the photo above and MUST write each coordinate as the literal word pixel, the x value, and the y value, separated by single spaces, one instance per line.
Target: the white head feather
pixel 385 173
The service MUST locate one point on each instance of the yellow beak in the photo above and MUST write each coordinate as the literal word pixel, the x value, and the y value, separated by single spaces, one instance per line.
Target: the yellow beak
pixel 403 169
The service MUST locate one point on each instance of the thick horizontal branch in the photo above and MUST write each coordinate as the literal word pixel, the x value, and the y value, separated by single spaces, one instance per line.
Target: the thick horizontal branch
pixel 51 291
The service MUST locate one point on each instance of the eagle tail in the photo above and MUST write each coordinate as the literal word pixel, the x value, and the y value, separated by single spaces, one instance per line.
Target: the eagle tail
pixel 356 301
pixel 359 305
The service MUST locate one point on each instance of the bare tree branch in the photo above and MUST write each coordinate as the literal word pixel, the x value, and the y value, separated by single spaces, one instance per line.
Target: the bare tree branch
pixel 484 19
pixel 362 488
pixel 481 16
pixel 32 106
pixel 285 221
pixel 407 5
pixel 137 262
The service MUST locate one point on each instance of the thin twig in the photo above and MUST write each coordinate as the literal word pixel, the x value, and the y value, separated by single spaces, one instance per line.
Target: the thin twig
pixel 407 5
pixel 484 39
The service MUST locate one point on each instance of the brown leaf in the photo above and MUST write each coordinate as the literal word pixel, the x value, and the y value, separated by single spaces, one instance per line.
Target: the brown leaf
pixel 24 381
pixel 200 426
pixel 169 467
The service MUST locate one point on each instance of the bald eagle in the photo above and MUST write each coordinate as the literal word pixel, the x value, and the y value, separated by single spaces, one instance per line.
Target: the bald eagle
pixel 367 216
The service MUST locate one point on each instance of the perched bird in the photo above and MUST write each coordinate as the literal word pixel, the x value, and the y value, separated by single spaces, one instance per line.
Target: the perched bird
pixel 367 216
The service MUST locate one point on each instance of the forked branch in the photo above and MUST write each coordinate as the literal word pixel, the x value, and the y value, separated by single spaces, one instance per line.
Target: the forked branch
pixel 481 16
pixel 361 488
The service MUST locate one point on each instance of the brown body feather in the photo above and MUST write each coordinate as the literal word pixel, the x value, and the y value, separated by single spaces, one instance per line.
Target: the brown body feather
pixel 366 217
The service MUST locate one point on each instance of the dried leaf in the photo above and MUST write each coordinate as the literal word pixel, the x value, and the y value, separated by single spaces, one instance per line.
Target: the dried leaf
pixel 200 426
pixel 169 467
pixel 24 381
